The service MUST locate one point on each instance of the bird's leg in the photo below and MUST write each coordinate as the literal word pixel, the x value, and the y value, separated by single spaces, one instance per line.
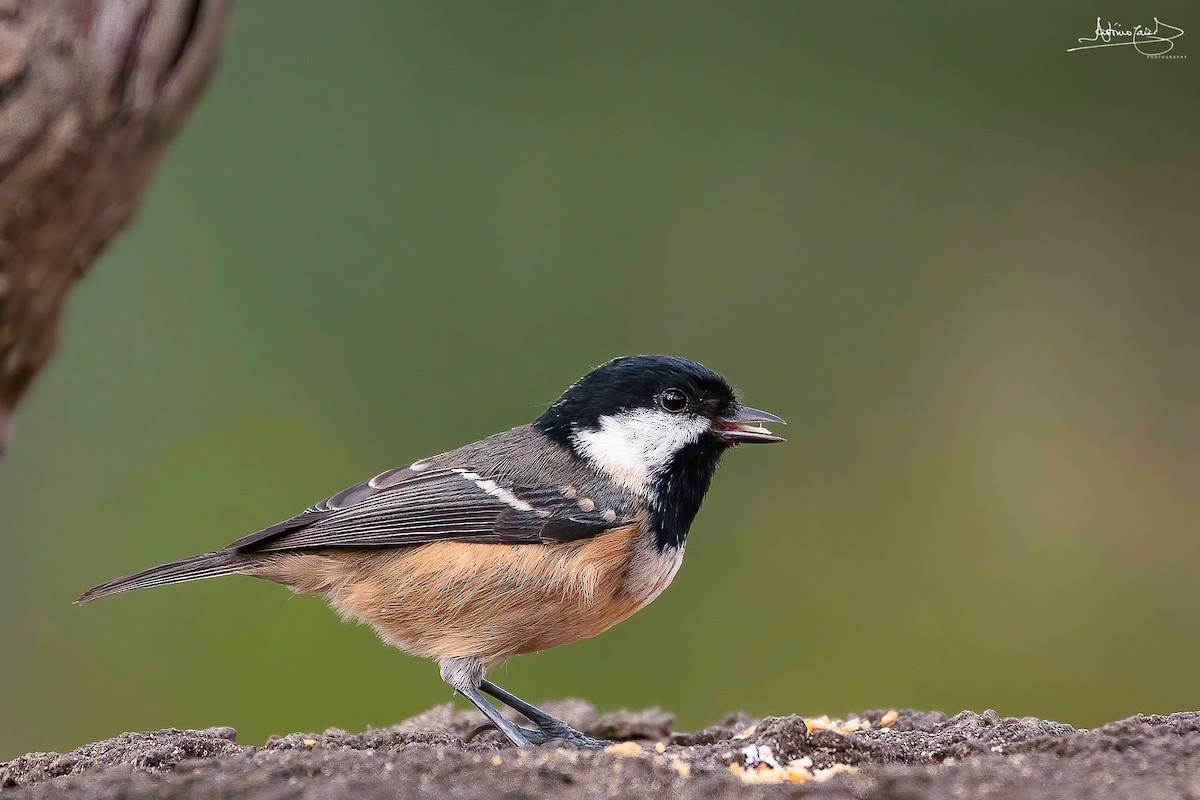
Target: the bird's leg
pixel 549 727
pixel 464 675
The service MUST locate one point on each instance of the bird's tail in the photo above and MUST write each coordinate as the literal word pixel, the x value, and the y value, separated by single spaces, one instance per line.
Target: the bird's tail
pixel 208 565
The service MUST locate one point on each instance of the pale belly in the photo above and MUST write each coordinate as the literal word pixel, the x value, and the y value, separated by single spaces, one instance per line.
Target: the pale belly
pixel 466 600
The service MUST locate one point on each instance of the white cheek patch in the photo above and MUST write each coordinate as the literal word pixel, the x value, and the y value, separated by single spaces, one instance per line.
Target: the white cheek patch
pixel 635 446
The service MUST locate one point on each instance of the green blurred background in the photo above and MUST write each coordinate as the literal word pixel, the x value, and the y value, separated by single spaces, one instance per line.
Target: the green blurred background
pixel 963 263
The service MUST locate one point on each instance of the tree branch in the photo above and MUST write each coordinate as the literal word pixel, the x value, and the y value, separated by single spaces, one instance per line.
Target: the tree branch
pixel 90 95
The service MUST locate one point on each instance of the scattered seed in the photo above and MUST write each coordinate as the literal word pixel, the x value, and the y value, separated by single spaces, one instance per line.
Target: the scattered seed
pixel 625 749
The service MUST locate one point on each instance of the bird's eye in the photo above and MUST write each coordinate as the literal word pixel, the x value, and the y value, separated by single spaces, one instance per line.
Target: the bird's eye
pixel 673 400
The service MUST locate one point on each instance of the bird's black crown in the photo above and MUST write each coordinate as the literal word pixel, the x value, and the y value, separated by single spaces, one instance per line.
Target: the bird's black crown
pixel 632 382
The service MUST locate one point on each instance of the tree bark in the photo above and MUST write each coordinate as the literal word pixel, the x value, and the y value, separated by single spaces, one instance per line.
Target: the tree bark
pixel 91 92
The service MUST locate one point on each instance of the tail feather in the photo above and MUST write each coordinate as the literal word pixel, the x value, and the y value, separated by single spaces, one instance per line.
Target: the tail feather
pixel 208 565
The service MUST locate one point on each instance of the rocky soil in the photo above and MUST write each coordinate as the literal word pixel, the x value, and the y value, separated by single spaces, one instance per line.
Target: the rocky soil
pixel 880 754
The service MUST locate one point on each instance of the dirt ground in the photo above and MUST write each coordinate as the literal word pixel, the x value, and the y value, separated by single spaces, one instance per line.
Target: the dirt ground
pixel 880 754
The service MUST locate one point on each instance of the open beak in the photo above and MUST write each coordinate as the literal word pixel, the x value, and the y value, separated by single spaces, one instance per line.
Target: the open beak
pixel 740 428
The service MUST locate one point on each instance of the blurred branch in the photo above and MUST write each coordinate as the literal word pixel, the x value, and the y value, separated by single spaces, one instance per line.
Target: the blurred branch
pixel 90 95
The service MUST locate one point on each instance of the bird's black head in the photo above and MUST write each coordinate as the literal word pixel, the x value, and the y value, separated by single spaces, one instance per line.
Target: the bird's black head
pixel 656 425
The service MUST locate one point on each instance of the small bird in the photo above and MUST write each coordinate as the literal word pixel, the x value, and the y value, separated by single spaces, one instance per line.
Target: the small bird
pixel 540 536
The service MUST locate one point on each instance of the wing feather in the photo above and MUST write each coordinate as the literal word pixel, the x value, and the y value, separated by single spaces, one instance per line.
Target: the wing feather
pixel 403 507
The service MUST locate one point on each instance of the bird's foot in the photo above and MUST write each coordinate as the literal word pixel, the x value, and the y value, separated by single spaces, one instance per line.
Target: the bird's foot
pixel 547 726
pixel 549 731
pixel 562 732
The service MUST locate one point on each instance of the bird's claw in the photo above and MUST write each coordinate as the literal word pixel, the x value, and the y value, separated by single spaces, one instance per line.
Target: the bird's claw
pixel 566 734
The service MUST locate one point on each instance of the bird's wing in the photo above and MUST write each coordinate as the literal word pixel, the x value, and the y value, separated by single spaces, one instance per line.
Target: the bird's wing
pixel 406 507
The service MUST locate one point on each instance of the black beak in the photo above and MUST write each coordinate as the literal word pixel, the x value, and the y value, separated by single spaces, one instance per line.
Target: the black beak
pixel 739 427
